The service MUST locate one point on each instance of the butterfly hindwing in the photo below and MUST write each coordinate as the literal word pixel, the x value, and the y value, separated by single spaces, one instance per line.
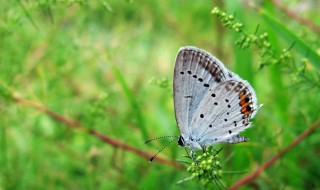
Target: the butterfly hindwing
pixel 226 112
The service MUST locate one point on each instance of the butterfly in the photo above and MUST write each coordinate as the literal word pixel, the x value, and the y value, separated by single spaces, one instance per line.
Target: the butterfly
pixel 212 104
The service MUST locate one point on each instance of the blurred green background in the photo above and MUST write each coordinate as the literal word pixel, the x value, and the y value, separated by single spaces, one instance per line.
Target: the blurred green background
pixel 108 65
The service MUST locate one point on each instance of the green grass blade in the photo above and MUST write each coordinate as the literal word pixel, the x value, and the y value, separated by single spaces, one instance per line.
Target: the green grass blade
pixel 281 108
pixel 302 47
pixel 28 15
pixel 134 104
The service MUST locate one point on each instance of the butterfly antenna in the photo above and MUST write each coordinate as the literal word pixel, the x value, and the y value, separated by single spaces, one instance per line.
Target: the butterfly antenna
pixel 161 149
pixel 167 136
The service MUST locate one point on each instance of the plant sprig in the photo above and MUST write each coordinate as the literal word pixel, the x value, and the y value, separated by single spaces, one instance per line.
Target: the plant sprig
pixel 206 168
pixel 268 55
pixel 261 41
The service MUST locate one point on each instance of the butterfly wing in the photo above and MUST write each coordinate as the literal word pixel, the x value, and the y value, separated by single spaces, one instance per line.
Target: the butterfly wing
pixel 225 112
pixel 196 72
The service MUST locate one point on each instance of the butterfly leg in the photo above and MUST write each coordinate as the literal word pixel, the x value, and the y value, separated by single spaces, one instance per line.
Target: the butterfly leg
pixel 186 151
pixel 204 148
pixel 217 151
pixel 192 154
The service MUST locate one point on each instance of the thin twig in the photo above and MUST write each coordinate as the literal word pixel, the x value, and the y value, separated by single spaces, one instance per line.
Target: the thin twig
pixel 95 133
pixel 276 157
pixel 298 18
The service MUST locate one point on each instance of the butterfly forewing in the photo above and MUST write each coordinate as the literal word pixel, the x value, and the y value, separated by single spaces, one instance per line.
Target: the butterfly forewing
pixel 196 73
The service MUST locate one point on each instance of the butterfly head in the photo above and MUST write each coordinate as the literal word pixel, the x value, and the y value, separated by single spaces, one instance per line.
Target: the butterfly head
pixel 181 141
pixel 190 142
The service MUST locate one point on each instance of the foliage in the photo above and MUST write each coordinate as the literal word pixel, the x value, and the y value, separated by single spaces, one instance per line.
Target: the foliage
pixel 107 65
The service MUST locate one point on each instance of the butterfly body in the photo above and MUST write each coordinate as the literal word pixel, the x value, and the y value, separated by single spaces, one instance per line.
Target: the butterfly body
pixel 212 104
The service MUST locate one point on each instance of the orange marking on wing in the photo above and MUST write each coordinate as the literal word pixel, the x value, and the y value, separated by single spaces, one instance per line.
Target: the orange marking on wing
pixel 241 95
pixel 244 110
pixel 244 104
pixel 242 98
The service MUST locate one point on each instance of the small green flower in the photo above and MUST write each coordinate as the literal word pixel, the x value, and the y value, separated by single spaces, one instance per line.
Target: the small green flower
pixel 206 167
